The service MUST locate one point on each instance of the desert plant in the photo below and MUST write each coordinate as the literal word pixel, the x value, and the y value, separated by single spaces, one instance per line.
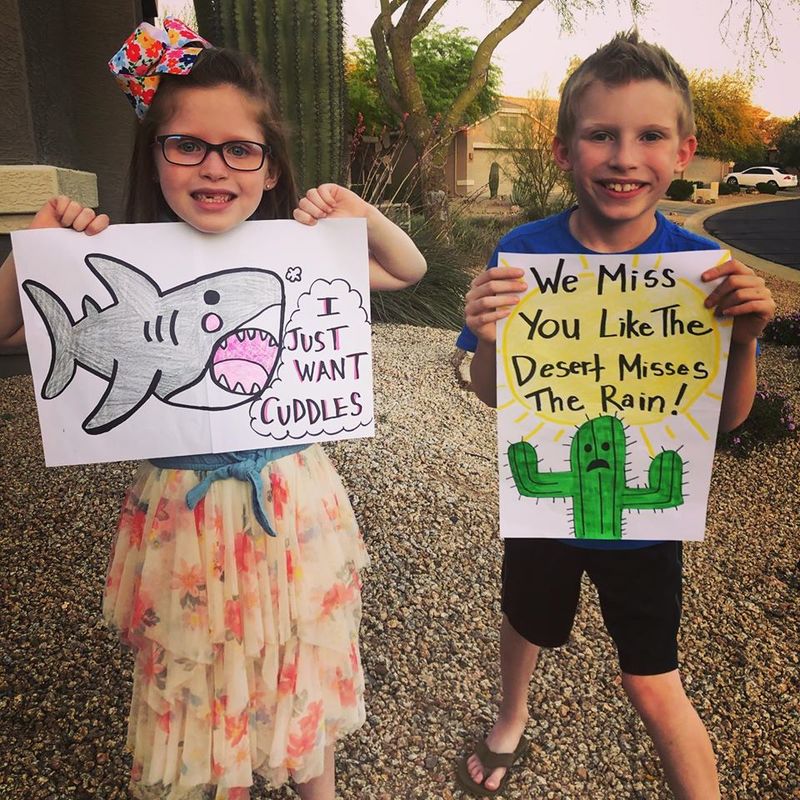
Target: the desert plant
pixel 728 188
pixel 767 188
pixel 680 189
pixel 437 300
pixel 299 45
pixel 494 179
pixel 539 186
pixel 771 420
pixel 783 329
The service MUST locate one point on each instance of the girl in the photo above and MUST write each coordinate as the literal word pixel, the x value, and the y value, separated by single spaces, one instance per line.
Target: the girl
pixel 243 609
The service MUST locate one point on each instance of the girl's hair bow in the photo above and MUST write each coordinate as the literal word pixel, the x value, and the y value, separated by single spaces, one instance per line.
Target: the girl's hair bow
pixel 149 53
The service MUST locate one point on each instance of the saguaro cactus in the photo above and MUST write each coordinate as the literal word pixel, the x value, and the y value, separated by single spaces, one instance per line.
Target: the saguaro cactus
pixel 494 179
pixel 299 44
pixel 596 479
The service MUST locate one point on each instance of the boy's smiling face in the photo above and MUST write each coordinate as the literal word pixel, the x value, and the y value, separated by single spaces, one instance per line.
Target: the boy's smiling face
pixel 623 154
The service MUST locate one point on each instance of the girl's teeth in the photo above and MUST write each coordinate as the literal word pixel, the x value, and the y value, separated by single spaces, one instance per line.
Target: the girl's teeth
pixel 213 198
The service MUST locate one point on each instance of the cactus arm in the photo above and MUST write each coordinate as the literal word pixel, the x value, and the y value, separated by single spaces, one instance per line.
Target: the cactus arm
pixel 665 484
pixel 524 463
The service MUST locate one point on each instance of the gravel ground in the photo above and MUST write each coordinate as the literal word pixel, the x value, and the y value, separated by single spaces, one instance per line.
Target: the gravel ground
pixel 427 504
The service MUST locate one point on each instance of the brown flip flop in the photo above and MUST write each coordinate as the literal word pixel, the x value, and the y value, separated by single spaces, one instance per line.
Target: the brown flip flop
pixel 491 761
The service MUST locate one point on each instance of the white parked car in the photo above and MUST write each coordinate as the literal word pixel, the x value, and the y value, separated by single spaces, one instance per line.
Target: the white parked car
pixel 754 175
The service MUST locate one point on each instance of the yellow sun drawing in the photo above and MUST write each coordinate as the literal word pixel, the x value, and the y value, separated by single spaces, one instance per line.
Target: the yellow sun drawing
pixel 611 347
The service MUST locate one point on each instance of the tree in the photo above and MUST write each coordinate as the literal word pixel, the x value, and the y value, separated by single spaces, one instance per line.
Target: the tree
pixel 728 124
pixel 789 143
pixel 442 60
pixel 540 185
pixel 401 88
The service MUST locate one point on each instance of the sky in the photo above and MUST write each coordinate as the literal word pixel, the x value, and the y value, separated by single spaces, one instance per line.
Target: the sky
pixel 538 52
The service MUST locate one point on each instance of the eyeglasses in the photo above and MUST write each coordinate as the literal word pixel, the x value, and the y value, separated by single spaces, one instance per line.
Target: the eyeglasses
pixel 189 151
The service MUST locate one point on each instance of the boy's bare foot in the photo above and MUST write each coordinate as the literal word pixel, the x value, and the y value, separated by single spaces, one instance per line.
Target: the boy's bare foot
pixel 502 738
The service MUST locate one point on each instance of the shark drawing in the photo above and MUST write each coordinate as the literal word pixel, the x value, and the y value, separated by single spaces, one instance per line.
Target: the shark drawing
pixel 213 342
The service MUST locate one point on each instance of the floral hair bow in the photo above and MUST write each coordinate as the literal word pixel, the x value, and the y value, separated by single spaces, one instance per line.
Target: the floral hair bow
pixel 149 53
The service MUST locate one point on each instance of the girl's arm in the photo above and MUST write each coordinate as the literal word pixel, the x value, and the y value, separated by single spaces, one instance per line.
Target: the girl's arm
pixel 394 260
pixel 744 297
pixel 60 212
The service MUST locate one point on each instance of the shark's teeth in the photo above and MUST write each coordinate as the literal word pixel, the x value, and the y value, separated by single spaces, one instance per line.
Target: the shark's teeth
pixel 263 334
pixel 224 344
pixel 251 334
pixel 224 381
pixel 255 389
pixel 239 389
pixel 240 335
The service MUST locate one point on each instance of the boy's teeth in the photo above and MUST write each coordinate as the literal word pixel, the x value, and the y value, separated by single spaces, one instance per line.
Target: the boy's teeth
pixel 622 187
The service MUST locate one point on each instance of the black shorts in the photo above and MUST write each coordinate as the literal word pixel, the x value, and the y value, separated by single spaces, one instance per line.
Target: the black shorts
pixel 639 589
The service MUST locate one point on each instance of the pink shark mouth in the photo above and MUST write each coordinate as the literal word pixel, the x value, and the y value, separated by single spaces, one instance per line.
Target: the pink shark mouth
pixel 243 361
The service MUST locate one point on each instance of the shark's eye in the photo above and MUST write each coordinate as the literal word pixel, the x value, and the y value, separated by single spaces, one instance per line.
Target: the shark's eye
pixel 605 446
pixel 587 448
pixel 211 297
pixel 211 323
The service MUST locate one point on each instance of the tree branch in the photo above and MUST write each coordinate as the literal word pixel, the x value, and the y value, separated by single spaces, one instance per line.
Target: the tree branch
pixel 483 57
pixel 381 31
pixel 428 16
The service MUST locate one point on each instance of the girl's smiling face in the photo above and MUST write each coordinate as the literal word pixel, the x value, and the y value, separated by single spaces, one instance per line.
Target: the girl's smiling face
pixel 211 196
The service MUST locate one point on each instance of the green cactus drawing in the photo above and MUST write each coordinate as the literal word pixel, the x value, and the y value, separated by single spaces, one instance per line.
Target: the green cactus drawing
pixel 596 480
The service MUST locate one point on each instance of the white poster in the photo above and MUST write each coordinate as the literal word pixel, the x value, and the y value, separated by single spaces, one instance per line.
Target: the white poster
pixel 610 377
pixel 156 340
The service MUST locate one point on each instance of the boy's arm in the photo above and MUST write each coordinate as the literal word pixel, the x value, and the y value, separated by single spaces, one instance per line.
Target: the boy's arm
pixel 394 260
pixel 492 296
pixel 744 297
pixel 59 212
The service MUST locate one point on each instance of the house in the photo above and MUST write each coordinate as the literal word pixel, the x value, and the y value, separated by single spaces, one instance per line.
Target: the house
pixel 476 146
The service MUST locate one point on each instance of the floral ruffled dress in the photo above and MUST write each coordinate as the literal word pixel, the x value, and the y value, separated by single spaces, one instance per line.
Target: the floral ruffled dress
pixel 246 644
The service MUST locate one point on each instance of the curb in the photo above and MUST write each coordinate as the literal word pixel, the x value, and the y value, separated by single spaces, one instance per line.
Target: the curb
pixel 695 222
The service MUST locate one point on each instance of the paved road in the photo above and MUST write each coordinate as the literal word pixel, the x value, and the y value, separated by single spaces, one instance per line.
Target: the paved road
pixel 767 230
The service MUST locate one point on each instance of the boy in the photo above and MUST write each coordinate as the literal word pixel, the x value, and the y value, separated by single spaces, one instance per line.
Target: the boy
pixel 625 126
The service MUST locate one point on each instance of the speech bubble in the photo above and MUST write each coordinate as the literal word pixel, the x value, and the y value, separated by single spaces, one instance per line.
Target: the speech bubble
pixel 323 384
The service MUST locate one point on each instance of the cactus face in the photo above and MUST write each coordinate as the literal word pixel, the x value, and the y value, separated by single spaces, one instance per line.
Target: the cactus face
pixel 596 479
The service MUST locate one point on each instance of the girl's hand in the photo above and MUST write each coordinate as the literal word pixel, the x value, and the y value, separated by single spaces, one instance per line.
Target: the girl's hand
pixel 743 296
pixel 492 296
pixel 330 201
pixel 63 212
pixel 394 261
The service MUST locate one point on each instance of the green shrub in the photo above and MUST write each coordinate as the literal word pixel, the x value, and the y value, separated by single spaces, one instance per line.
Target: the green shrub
pixel 767 188
pixel 783 329
pixel 728 188
pixel 771 420
pixel 680 189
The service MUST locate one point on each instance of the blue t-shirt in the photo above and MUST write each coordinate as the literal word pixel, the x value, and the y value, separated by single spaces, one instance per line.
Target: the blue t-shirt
pixel 552 235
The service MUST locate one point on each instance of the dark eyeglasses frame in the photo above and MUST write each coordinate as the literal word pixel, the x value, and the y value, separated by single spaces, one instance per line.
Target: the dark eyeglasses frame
pixel 212 148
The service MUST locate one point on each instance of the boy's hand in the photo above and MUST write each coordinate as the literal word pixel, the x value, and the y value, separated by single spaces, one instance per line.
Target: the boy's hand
pixel 743 296
pixel 330 201
pixel 63 212
pixel 492 296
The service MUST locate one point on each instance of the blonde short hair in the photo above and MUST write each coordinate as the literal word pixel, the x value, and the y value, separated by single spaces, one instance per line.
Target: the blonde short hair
pixel 624 59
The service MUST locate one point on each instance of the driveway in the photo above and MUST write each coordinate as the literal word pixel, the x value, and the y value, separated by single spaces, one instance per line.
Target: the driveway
pixel 767 230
